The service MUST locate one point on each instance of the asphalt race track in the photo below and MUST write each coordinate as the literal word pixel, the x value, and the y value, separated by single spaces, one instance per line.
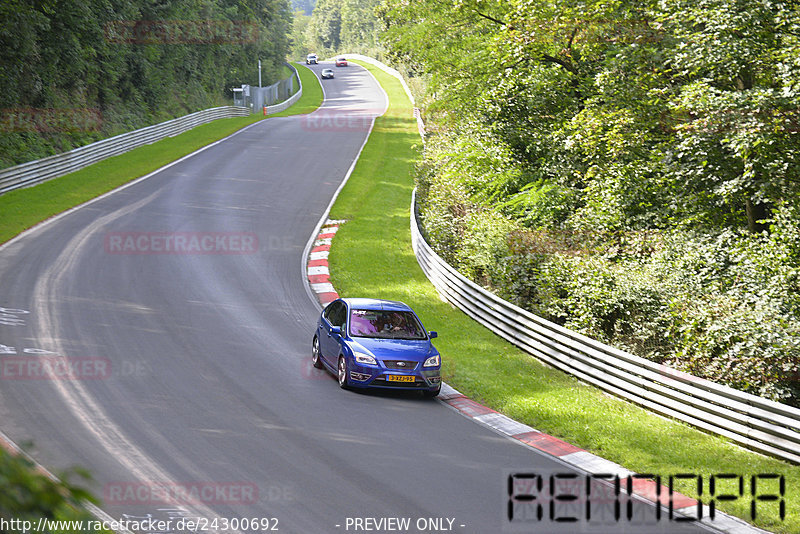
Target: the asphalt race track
pixel 192 364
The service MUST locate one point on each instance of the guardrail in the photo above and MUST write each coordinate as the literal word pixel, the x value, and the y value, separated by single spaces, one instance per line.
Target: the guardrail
pixel 763 425
pixel 276 108
pixel 40 170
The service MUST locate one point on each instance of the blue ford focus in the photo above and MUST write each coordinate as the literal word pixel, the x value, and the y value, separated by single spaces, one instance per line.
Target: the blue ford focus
pixel 369 343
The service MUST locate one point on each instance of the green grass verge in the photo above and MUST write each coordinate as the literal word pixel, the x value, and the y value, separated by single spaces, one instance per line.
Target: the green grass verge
pixel 372 257
pixel 312 94
pixel 22 208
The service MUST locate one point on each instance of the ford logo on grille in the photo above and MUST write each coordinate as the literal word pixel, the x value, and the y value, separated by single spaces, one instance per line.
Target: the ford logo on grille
pixel 401 364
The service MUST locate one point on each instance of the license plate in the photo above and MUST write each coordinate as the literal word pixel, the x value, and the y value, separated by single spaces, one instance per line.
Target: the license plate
pixel 399 378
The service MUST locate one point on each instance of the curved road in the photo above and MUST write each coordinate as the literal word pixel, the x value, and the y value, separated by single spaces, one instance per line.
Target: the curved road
pixel 194 367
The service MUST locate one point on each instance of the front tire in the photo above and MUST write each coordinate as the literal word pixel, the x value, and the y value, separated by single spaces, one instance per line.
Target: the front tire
pixel 315 354
pixel 342 373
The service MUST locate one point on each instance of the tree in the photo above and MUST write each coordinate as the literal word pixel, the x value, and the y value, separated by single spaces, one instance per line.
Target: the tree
pixel 736 101
pixel 324 28
pixel 299 47
pixel 132 62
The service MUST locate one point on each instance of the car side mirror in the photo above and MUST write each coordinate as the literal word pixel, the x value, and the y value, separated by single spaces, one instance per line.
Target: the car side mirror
pixel 433 334
pixel 336 330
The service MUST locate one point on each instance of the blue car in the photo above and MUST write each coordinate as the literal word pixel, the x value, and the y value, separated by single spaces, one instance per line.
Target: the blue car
pixel 369 343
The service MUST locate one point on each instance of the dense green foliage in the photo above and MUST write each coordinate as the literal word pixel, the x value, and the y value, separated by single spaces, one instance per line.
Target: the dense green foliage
pixel 298 41
pixel 628 169
pixel 74 71
pixel 371 255
pixel 342 25
pixel 29 495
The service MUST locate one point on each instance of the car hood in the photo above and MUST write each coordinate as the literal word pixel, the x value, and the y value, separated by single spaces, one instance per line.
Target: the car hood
pixel 394 349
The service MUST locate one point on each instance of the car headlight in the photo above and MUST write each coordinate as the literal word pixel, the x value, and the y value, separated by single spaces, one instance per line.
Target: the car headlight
pixel 364 358
pixel 433 361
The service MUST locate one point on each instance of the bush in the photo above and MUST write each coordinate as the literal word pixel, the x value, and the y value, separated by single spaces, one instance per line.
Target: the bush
pixel 484 247
pixel 720 305
pixel 29 495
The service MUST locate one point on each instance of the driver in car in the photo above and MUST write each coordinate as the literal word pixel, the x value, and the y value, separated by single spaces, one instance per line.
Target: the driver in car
pixel 397 323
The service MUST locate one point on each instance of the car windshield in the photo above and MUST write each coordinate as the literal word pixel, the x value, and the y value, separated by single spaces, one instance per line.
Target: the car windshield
pixel 385 324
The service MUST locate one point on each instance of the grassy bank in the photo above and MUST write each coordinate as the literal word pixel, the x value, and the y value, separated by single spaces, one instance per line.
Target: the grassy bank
pixel 23 208
pixel 372 257
pixel 312 94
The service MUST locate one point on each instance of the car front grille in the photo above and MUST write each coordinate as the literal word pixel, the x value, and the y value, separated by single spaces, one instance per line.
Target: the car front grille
pixel 400 364
pixel 410 385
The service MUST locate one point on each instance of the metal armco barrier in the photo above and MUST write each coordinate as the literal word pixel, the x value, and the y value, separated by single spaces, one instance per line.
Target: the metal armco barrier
pixel 760 424
pixel 40 170
pixel 277 108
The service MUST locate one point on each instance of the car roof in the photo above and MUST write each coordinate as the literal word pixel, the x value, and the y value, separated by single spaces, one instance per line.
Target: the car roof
pixel 377 304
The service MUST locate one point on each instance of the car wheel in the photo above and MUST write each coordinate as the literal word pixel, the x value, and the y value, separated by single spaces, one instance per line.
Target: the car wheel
pixel 315 354
pixel 342 374
pixel 428 394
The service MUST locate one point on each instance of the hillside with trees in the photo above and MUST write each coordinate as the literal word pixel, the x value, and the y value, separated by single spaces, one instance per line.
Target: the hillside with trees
pixel 75 72
pixel 630 170
pixel 337 26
